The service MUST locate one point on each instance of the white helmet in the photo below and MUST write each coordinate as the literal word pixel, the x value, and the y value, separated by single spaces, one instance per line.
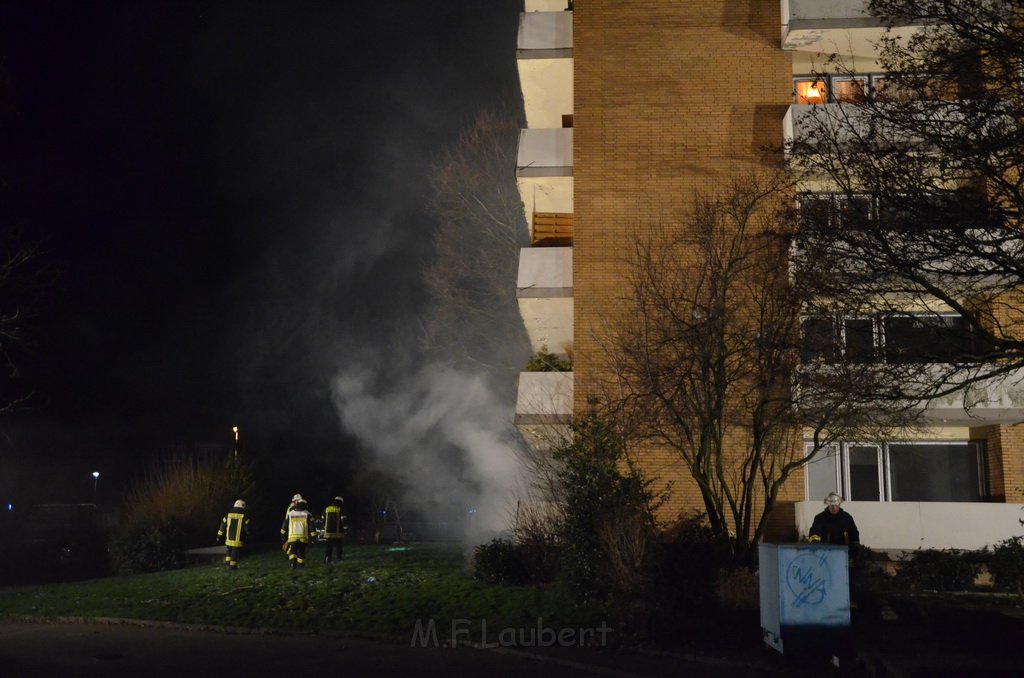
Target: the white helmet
pixel 240 504
pixel 339 499
pixel 297 498
pixel 833 499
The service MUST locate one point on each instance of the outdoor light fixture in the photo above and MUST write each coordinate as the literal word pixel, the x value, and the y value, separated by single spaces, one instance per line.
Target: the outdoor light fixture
pixel 95 482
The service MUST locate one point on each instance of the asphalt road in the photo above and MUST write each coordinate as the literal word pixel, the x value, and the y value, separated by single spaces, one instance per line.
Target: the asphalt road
pixel 115 650
pixel 31 650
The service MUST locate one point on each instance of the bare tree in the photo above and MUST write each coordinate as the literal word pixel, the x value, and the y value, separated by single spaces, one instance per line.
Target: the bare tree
pixel 708 359
pixel 927 165
pixel 22 279
pixel 473 317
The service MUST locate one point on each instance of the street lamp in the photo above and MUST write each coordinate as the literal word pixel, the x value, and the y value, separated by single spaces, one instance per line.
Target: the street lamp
pixel 95 483
pixel 234 429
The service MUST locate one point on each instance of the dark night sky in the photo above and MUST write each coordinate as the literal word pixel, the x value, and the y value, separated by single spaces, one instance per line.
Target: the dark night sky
pixel 231 195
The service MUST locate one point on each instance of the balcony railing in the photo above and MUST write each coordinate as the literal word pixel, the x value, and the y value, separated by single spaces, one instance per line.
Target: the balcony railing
pixel 544 408
pixel 544 292
pixel 544 153
pixel 905 525
pixel 844 26
pixel 544 35
pixel 544 398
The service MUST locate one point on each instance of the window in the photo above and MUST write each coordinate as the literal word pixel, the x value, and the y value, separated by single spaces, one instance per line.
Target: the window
pixel 810 91
pixel 859 340
pixel 914 88
pixel 898 339
pixel 819 340
pixel 897 471
pixel 835 210
pixel 937 472
pixel 927 338
pixel 846 89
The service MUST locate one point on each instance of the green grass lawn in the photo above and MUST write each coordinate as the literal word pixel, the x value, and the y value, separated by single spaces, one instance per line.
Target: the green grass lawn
pixel 376 589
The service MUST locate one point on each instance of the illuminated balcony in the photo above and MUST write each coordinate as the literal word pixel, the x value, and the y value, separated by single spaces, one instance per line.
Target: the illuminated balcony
pixel 544 407
pixel 544 293
pixel 544 61
pixel 834 26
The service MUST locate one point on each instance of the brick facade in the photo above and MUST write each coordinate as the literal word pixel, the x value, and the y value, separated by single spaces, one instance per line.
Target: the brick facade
pixel 1004 461
pixel 671 98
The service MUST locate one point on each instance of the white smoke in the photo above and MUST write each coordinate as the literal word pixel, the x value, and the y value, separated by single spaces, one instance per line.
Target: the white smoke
pixel 442 433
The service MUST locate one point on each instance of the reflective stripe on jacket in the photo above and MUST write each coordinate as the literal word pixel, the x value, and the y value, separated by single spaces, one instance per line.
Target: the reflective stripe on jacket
pixel 234 527
pixel 298 526
pixel 334 522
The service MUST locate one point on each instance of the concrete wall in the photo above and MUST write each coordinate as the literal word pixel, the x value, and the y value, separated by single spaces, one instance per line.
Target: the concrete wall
pixel 929 525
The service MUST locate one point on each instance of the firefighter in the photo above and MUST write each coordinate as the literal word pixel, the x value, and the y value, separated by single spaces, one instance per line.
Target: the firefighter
pixel 296 498
pixel 334 529
pixel 297 532
pixel 234 530
pixel 834 525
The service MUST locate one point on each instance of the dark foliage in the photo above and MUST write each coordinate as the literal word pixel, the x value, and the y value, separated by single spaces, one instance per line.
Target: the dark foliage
pixel 148 547
pixel 939 570
pixel 608 521
pixel 1007 565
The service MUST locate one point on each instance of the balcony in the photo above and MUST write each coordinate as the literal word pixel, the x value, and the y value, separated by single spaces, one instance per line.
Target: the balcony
pixel 544 293
pixel 544 407
pixel 834 26
pixel 998 400
pixel 906 525
pixel 544 62
pixel 806 127
pixel 546 5
pixel 544 172
pixel 544 153
pixel 551 229
pixel 544 35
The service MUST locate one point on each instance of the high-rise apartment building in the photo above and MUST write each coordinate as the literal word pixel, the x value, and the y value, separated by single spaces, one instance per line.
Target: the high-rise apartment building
pixel 633 109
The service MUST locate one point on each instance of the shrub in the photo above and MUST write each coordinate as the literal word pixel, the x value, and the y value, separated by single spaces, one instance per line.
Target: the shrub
pixel 176 506
pixel 939 570
pixel 608 513
pixel 544 361
pixel 148 547
pixel 738 589
pixel 684 564
pixel 500 562
pixel 1007 565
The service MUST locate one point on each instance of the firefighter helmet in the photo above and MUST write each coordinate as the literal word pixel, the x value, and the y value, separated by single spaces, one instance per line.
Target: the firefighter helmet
pixel 297 498
pixel 833 499
pixel 240 504
pixel 339 499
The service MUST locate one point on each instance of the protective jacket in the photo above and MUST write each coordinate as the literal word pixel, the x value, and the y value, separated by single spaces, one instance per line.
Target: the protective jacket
pixel 837 528
pixel 234 528
pixel 298 525
pixel 334 520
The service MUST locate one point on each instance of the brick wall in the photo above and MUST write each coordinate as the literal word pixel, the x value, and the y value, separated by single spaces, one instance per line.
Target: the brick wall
pixel 670 99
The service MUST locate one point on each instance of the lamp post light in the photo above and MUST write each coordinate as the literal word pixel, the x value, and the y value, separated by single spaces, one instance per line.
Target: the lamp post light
pixel 95 483
pixel 234 429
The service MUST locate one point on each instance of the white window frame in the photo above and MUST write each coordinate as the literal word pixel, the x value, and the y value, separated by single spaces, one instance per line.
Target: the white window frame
pixel 842 464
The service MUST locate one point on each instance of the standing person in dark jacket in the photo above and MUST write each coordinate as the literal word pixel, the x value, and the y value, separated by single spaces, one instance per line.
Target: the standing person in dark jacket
pixel 297 532
pixel 334 529
pixel 234 530
pixel 834 525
